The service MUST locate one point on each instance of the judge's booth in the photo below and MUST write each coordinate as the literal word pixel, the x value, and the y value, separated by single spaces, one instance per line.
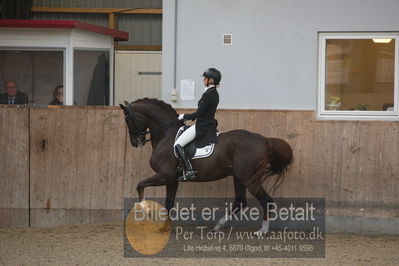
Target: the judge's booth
pixel 41 56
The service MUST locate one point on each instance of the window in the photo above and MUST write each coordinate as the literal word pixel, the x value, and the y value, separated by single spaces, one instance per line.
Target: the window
pixel 91 77
pixel 32 77
pixel 358 76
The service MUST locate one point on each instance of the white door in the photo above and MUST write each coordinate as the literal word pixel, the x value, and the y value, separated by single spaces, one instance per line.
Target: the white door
pixel 137 75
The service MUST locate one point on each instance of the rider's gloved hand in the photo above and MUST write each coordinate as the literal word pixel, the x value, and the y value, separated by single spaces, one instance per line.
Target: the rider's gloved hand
pixel 181 117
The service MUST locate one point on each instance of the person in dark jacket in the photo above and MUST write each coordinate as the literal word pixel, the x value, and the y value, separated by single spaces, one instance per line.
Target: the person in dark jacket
pixel 12 95
pixel 205 128
pixel 58 96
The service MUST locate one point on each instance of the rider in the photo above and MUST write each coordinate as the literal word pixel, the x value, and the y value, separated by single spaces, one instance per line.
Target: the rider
pixel 204 130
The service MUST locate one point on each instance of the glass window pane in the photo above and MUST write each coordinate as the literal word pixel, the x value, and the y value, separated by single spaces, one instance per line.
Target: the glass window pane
pixel 91 77
pixel 360 74
pixel 31 77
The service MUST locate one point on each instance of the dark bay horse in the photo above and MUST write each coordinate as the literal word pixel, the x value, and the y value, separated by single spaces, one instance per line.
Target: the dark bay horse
pixel 249 157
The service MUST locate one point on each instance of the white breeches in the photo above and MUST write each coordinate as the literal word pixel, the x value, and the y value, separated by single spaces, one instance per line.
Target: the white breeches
pixel 186 137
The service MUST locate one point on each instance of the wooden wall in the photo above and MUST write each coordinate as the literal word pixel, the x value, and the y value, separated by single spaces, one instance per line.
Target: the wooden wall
pixel 75 164
pixel 14 167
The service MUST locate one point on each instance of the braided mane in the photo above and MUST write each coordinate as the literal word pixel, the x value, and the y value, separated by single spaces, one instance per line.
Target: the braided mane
pixel 160 103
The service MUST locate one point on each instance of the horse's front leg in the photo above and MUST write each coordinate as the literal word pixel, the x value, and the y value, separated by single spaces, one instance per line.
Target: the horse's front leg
pixel 171 190
pixel 159 179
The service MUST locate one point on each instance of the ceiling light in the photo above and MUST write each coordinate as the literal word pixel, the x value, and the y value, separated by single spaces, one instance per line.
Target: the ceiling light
pixel 382 40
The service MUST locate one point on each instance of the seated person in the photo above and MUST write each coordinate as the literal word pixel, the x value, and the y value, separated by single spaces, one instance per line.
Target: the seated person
pixel 58 96
pixel 12 95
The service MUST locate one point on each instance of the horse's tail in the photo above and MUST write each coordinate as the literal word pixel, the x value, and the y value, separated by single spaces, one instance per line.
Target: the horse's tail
pixel 275 160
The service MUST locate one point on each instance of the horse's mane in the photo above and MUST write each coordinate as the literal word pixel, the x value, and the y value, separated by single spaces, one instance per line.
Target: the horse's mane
pixel 154 101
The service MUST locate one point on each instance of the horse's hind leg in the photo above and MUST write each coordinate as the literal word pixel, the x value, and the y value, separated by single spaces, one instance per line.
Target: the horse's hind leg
pixel 240 191
pixel 257 190
pixel 240 202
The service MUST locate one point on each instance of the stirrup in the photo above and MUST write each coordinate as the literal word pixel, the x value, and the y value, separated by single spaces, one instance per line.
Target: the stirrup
pixel 187 176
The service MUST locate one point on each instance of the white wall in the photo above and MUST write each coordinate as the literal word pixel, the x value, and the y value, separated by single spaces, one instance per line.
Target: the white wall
pixel 273 61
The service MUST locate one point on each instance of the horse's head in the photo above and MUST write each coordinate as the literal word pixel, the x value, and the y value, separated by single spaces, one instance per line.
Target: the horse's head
pixel 152 114
pixel 136 124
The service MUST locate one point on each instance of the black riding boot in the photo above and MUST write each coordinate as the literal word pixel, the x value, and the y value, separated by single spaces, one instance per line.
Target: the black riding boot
pixel 188 172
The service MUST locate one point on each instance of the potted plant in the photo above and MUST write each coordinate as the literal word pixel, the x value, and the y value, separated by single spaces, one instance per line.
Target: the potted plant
pixel 335 103
pixel 361 107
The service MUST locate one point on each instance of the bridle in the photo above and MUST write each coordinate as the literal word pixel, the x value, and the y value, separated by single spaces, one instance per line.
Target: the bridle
pixel 140 135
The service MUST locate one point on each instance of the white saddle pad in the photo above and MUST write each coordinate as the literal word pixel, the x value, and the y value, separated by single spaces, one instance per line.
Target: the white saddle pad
pixel 200 152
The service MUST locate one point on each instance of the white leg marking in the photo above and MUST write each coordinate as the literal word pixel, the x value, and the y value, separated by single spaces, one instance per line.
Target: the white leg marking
pixel 144 206
pixel 142 203
pixel 220 223
pixel 264 229
pixel 223 220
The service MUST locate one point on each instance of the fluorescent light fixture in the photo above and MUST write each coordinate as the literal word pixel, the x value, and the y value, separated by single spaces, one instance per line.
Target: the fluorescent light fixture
pixel 382 40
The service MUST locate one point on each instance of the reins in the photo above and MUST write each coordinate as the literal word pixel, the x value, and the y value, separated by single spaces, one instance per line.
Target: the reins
pixel 153 132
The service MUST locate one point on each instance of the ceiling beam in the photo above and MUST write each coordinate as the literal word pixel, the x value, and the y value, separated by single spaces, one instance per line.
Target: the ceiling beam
pixel 96 10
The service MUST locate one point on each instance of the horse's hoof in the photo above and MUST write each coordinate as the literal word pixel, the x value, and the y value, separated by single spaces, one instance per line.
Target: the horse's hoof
pixel 166 227
pixel 217 228
pixel 260 233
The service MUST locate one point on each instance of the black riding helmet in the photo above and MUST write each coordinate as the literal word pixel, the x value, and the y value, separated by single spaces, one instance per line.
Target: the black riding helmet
pixel 214 74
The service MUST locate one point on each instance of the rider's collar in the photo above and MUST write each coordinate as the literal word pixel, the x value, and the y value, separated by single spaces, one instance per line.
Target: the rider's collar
pixel 210 86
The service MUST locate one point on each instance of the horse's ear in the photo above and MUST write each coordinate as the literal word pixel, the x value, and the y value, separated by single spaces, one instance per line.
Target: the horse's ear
pixel 123 108
pixel 126 103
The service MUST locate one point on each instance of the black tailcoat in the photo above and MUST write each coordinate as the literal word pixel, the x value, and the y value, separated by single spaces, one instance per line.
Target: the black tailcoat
pixel 206 124
pixel 20 98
